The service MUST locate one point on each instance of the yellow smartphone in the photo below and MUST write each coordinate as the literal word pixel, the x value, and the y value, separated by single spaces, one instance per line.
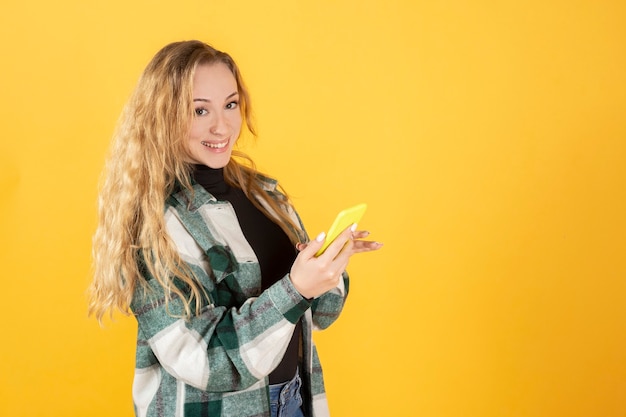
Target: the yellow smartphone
pixel 344 219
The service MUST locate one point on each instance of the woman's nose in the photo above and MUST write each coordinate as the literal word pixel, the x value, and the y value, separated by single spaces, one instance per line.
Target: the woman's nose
pixel 219 125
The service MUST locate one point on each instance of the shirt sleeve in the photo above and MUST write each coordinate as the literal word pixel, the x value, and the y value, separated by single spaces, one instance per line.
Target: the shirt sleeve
pixel 327 307
pixel 221 349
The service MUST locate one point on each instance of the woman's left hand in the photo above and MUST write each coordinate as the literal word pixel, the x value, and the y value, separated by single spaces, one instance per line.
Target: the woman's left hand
pixel 358 246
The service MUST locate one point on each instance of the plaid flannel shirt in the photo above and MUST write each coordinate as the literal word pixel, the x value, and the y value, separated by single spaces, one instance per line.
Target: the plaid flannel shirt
pixel 217 363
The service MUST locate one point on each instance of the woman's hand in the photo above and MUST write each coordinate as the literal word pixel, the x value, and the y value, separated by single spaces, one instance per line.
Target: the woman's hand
pixel 313 276
pixel 359 245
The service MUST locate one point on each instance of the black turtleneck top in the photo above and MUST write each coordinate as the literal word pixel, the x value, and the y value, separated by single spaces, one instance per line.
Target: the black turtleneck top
pixel 271 245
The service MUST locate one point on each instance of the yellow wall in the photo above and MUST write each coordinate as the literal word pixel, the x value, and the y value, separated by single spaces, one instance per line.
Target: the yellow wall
pixel 488 138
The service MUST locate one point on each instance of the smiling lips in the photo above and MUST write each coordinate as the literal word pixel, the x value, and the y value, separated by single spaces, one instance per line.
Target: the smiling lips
pixel 214 145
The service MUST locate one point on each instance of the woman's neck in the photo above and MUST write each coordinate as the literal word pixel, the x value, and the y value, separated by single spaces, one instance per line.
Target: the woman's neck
pixel 212 179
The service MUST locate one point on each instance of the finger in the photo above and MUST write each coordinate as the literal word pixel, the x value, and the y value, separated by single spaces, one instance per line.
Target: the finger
pixel 337 245
pixel 365 246
pixel 310 249
pixel 340 262
pixel 360 234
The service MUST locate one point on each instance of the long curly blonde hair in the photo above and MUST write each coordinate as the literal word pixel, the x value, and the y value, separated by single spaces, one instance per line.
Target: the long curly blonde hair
pixel 146 161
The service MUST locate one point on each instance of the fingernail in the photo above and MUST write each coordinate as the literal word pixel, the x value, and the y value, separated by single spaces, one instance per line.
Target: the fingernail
pixel 320 237
pixel 353 228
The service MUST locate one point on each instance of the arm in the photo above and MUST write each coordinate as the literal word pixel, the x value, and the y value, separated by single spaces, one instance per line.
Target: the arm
pixel 223 348
pixel 327 307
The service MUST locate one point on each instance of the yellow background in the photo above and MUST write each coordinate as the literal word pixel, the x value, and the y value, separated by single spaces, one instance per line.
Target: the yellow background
pixel 487 137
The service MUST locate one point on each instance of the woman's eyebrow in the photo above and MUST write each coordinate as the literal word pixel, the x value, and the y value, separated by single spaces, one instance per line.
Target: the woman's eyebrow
pixel 206 100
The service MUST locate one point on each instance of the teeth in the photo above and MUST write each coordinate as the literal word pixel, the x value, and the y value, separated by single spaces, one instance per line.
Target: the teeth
pixel 215 145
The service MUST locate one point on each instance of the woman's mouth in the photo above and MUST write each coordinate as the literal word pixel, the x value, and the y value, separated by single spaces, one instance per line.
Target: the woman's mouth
pixel 215 145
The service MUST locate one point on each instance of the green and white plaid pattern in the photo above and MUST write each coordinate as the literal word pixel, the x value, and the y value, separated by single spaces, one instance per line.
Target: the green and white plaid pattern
pixel 217 362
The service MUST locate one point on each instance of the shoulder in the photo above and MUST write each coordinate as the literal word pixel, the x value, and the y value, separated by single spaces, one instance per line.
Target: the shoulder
pixel 267 183
pixel 188 200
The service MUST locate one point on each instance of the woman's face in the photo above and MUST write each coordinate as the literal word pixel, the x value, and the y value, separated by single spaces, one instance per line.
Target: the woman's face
pixel 217 121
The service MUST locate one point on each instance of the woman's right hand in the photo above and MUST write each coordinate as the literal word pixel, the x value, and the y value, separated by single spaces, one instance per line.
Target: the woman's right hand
pixel 313 276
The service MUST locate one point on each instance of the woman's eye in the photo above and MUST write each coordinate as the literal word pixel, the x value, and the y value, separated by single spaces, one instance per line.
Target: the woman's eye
pixel 232 105
pixel 201 112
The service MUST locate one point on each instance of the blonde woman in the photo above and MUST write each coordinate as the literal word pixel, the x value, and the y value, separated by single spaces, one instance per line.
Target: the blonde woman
pixel 201 248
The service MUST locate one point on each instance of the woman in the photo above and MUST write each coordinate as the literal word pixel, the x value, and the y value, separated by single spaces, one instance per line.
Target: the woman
pixel 202 249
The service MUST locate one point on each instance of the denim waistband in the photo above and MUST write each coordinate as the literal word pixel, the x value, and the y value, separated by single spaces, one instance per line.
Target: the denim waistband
pixel 286 389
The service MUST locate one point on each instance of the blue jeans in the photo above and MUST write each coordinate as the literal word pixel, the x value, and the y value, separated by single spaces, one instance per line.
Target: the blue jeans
pixel 285 399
